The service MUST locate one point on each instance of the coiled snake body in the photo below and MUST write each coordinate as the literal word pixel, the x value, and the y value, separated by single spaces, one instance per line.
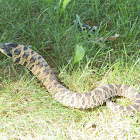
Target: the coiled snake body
pixel 39 67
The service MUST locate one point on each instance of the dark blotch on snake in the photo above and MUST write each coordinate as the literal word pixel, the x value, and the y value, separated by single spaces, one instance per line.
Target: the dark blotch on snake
pixel 78 95
pixel 126 87
pixel 97 92
pixel 46 65
pixel 88 94
pixel 111 92
pixel 26 55
pixel 25 48
pixel 121 107
pixel 104 88
pixel 83 101
pixel 118 85
pixel 137 101
pixel 39 65
pixel 111 86
pixel 17 52
pixel 70 93
pixel 138 96
pixel 17 60
pixel 32 52
pixel 39 57
pixel 33 59
pixel 135 106
pixel 31 67
pixel 25 63
pixel 129 108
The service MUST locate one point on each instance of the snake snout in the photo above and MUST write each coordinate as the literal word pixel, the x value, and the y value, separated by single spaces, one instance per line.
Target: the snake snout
pixel 2 45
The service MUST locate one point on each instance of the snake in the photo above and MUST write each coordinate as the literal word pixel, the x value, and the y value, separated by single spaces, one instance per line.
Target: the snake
pixel 29 58
pixel 85 27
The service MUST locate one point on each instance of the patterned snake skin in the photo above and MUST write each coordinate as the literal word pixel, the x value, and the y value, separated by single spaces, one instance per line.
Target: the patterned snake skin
pixel 39 67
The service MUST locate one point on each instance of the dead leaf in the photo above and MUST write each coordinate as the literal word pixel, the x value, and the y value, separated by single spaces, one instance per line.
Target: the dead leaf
pixel 113 38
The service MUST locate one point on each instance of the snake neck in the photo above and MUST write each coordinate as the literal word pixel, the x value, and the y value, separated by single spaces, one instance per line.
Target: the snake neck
pixel 37 65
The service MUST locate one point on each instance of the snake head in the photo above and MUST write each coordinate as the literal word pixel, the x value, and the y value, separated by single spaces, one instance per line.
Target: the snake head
pixel 6 48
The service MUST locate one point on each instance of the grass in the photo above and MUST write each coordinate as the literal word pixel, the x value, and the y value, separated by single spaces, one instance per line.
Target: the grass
pixel 27 111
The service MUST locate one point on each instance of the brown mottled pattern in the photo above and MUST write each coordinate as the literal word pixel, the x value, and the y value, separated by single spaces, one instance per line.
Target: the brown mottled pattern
pixel 39 67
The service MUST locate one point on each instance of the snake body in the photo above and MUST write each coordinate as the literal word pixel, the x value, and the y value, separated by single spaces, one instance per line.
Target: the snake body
pixel 39 67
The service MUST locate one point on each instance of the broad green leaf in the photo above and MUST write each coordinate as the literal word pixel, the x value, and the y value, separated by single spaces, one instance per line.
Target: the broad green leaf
pixel 65 3
pixel 79 53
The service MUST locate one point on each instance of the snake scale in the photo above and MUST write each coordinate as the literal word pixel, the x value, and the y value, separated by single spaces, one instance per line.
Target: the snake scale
pixel 39 67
